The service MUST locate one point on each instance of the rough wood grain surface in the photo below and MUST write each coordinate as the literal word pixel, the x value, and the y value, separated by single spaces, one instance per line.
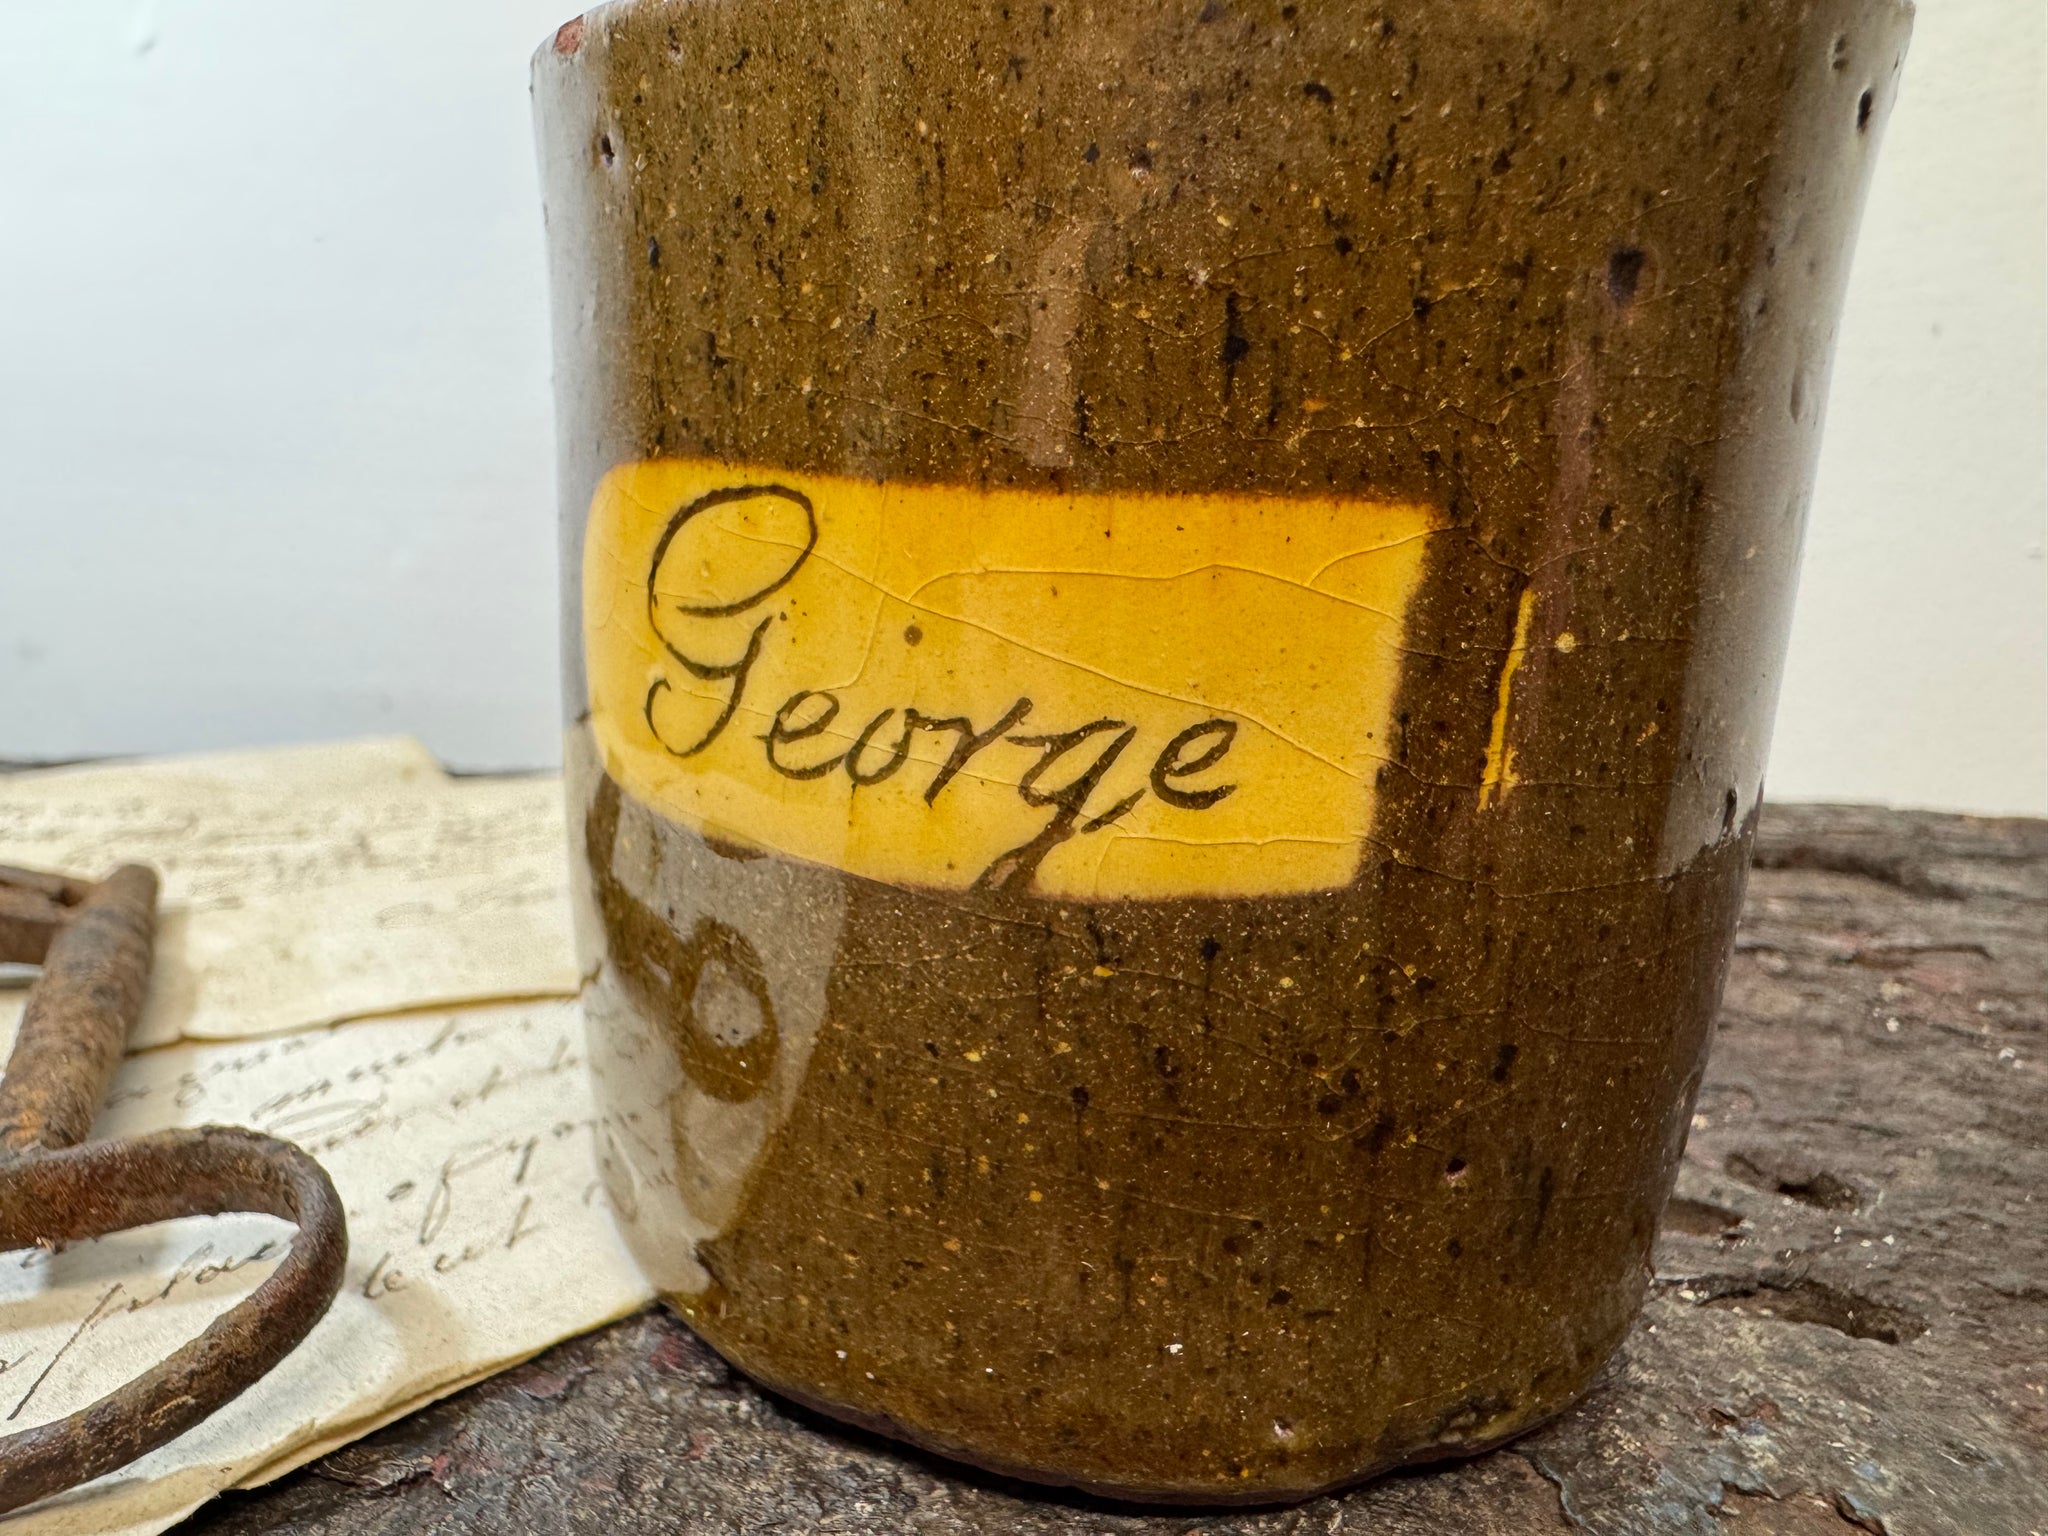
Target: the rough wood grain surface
pixel 1847 1329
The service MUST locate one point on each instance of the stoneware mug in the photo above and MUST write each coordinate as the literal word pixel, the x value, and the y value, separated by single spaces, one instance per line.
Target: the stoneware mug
pixel 1172 617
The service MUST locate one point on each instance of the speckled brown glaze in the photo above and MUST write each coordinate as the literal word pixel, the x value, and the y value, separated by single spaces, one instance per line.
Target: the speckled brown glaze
pixel 1220 1200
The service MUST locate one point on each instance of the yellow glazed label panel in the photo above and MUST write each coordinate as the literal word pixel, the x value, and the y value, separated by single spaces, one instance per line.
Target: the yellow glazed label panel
pixel 1089 697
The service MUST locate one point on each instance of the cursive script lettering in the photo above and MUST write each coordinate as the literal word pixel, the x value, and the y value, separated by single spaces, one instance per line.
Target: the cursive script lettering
pixel 688 583
pixel 969 741
pixel 1014 869
pixel 1171 765
pixel 781 731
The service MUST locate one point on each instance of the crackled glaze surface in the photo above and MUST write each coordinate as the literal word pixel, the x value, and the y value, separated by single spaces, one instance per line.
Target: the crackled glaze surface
pixel 998 1120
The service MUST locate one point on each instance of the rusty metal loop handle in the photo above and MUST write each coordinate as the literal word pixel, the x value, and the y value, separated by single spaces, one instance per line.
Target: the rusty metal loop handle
pixel 106 1186
pixel 94 943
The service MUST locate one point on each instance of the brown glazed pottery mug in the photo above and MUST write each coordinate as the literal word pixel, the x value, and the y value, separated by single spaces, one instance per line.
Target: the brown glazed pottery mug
pixel 1172 617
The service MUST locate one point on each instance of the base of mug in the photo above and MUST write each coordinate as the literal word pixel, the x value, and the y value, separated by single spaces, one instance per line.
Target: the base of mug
pixel 1250 1493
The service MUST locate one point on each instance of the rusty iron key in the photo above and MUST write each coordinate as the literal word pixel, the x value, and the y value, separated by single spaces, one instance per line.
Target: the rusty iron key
pixel 94 943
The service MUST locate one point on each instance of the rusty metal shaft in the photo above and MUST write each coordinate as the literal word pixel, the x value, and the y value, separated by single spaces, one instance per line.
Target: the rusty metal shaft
pixel 95 972
pixel 33 908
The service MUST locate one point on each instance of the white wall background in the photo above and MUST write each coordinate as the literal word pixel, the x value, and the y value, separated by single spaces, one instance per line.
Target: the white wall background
pixel 275 439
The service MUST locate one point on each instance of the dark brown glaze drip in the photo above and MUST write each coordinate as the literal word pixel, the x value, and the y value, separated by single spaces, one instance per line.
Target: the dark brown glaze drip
pixel 1239 1199
pixel 662 970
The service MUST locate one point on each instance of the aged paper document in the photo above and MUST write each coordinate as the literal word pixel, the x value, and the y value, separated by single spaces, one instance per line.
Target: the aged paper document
pixel 312 884
pixel 462 1144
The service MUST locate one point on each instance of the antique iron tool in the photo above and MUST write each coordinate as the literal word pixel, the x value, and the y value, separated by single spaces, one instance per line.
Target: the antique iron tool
pixel 94 943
